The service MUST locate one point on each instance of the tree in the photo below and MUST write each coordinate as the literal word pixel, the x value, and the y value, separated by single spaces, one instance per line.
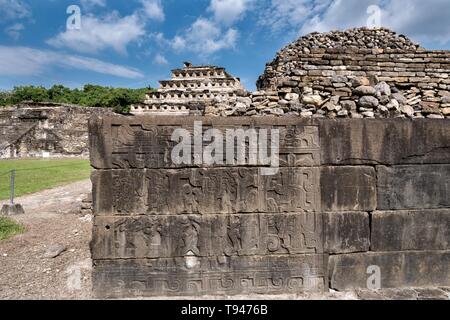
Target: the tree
pixel 119 99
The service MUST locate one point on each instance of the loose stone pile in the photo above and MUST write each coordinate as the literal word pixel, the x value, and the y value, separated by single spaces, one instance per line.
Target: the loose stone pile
pixel 357 97
pixel 353 38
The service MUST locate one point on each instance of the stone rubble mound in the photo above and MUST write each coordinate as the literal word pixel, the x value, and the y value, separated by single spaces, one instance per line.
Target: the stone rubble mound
pixel 380 38
pixel 358 73
pixel 369 99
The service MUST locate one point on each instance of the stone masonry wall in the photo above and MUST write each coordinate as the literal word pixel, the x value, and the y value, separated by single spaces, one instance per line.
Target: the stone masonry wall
pixel 349 194
pixel 382 83
pixel 45 130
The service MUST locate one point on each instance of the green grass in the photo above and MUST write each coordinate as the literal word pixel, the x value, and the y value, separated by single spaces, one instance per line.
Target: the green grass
pixel 9 228
pixel 37 175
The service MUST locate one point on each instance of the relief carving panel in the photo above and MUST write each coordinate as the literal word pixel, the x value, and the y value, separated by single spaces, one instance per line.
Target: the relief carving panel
pixel 204 236
pixel 213 276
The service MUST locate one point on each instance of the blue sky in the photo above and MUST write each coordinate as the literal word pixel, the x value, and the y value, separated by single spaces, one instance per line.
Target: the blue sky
pixel 135 43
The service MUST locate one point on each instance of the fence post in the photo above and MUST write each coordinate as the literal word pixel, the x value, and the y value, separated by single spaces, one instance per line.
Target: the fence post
pixel 13 176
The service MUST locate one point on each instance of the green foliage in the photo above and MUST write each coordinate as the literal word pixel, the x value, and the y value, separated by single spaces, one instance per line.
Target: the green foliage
pixel 9 228
pixel 119 99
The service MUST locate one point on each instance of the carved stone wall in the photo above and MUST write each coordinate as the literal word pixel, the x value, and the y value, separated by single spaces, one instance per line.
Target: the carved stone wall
pixel 349 194
pixel 165 229
pixel 45 130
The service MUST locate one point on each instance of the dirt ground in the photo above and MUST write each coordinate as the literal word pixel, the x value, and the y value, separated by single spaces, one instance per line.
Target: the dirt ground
pixel 52 218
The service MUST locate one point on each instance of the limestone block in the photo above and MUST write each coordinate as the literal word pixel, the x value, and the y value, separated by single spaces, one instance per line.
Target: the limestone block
pixel 348 188
pixel 397 269
pixel 205 191
pixel 413 187
pixel 192 276
pixel 346 232
pixel 411 230
pixel 130 143
pixel 394 141
pixel 205 236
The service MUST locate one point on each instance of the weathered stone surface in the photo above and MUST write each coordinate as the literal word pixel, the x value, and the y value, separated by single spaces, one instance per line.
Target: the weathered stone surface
pixel 124 142
pixel 205 191
pixel 227 229
pixel 368 102
pixel 100 142
pixel 360 81
pixel 365 91
pixel 205 236
pixel 54 251
pixel 410 230
pixel 351 142
pixel 383 89
pixel 191 276
pixel 413 187
pixel 348 188
pixel 346 232
pixel 120 192
pixel 398 269
pixel 45 130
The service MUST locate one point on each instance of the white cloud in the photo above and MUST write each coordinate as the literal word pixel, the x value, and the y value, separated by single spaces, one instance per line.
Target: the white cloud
pixel 109 31
pixel 205 37
pixel 178 43
pixel 14 9
pixel 14 30
pixel 229 11
pixel 153 9
pixel 160 59
pixel 98 34
pixel 24 61
pixel 282 15
pixel 424 21
pixel 90 4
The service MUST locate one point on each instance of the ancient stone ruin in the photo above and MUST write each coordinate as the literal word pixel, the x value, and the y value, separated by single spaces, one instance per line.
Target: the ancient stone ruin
pixel 351 199
pixel 358 73
pixel 45 130
pixel 191 91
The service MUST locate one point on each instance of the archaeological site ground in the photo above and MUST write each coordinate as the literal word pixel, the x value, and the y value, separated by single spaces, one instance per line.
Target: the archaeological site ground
pixel 330 181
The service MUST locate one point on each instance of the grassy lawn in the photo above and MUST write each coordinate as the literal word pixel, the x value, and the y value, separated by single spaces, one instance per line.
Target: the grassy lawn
pixel 9 228
pixel 36 175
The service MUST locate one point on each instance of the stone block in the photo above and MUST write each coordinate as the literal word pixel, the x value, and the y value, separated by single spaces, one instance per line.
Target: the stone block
pixel 121 192
pixel 205 191
pixel 411 230
pixel 387 141
pixel 100 142
pixel 130 143
pixel 204 236
pixel 348 189
pixel 192 276
pixel 397 269
pixel 413 187
pixel 346 232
